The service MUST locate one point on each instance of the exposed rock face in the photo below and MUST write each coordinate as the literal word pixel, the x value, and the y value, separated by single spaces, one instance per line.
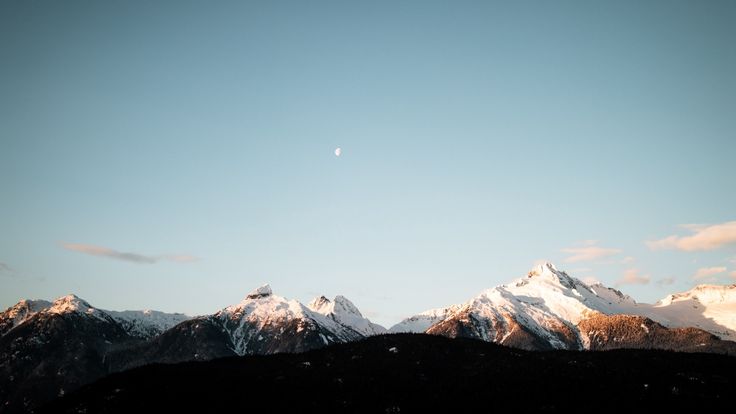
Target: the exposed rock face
pixel 604 332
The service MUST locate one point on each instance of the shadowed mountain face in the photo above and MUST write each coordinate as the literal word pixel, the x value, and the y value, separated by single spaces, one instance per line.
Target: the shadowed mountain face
pixel 419 373
pixel 51 354
pixel 48 349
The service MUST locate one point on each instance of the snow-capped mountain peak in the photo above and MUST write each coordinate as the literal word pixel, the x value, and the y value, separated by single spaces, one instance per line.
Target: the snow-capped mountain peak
pixel 548 271
pixel 263 317
pixel 142 324
pixel 72 303
pixel 547 303
pixel 147 323
pixel 320 304
pixel 26 307
pixel 341 305
pixel 705 294
pixel 20 312
pixel 422 321
pixel 260 292
pixel 708 307
pixel 344 312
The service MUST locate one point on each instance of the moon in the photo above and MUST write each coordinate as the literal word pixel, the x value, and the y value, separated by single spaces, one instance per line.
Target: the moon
pixel 338 151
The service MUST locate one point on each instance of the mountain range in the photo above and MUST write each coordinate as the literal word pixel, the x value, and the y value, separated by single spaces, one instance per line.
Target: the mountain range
pixel 50 348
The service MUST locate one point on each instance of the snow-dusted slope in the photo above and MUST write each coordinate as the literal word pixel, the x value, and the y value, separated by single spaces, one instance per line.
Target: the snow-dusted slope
pixel 20 312
pixel 422 321
pixel 342 311
pixel 546 304
pixel 75 304
pixel 142 324
pixel 545 308
pixel 263 318
pixel 708 307
pixel 147 323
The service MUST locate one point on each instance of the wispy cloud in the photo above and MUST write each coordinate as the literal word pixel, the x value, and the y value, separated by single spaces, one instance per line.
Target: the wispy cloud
pixel 733 274
pixel 580 270
pixel 8 272
pixel 704 237
pixel 590 280
pixel 632 277
pixel 588 252
pixel 705 272
pixel 666 281
pixel 126 256
pixel 628 260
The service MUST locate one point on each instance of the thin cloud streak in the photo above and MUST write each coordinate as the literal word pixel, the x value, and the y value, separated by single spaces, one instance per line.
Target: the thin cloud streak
pixel 590 280
pixel 101 251
pixel 666 281
pixel 705 272
pixel 704 238
pixel 588 253
pixel 632 277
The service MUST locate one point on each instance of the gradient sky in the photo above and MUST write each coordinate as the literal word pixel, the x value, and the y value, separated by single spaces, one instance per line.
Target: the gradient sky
pixel 176 155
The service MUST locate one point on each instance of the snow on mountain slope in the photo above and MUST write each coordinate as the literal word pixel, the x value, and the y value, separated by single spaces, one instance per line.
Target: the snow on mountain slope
pixel 19 313
pixel 708 307
pixel 262 318
pixel 544 309
pixel 342 311
pixel 142 324
pixel 147 323
pixel 546 299
pixel 75 304
pixel 422 321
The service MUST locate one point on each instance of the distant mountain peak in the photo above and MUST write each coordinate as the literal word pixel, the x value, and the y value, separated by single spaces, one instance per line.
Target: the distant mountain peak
pixel 704 294
pixel 543 269
pixel 260 292
pixel 344 312
pixel 340 305
pixel 319 303
pixel 548 270
pixel 70 303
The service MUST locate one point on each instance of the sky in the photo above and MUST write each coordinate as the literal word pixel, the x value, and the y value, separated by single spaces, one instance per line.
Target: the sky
pixel 177 155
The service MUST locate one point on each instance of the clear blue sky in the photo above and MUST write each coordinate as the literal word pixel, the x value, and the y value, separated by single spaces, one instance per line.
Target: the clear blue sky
pixel 477 137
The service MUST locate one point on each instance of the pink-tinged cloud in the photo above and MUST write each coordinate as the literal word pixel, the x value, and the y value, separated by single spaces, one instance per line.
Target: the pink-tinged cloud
pixel 704 272
pixel 632 277
pixel 588 253
pixel 703 238
pixel 100 251
pixel 733 274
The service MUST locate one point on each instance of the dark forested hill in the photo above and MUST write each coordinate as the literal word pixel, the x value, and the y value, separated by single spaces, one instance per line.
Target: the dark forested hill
pixel 413 373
